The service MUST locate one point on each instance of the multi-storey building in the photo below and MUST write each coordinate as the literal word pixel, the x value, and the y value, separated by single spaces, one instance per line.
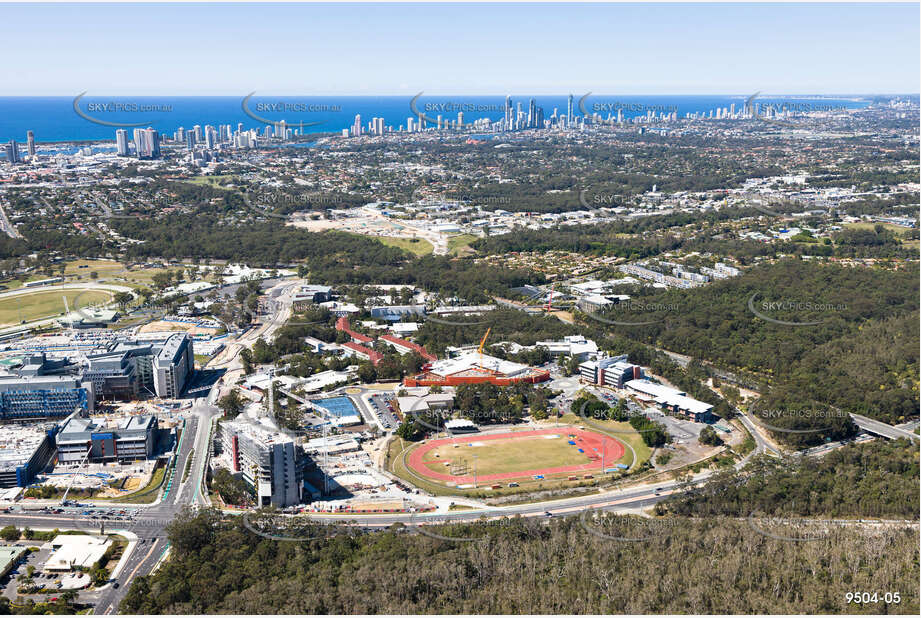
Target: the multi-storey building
pixel 130 439
pixel 126 368
pixel 173 364
pixel 269 461
pixel 24 452
pixel 43 396
pixel 610 371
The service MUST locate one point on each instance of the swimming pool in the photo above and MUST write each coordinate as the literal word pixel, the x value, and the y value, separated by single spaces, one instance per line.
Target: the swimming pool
pixel 338 406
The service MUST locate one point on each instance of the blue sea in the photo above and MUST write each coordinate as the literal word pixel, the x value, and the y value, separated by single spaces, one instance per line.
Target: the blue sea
pixel 53 119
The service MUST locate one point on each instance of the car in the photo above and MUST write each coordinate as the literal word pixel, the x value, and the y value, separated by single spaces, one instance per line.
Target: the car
pixel 548 514
pixel 115 585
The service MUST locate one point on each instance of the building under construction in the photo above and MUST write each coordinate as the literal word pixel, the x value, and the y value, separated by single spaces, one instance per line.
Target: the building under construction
pixel 476 368
pixel 269 461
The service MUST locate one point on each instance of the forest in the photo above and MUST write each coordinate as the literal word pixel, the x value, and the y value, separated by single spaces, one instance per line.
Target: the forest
pixel 851 338
pixel 568 566
pixel 877 479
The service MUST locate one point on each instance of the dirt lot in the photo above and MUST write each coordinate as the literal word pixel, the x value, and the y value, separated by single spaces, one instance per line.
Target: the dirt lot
pixel 191 329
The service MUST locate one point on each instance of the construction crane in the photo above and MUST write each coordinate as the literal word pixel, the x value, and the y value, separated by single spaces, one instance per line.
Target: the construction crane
pixel 483 343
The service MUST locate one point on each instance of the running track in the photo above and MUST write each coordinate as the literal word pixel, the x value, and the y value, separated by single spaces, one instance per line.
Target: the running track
pixel 586 440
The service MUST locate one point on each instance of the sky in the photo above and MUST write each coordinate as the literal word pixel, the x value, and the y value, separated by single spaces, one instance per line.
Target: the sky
pixel 399 49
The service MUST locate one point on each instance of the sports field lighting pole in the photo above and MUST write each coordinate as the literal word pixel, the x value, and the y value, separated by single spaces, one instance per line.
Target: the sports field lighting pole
pixel 474 470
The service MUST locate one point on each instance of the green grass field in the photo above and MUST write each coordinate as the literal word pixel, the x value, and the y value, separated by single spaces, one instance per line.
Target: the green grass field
pixel 83 268
pixel 897 230
pixel 460 245
pixel 214 181
pixel 502 456
pixel 620 431
pixel 416 246
pixel 527 454
pixel 46 304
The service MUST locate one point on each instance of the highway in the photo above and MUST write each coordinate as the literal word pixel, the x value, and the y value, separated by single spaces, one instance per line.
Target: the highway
pixel 882 429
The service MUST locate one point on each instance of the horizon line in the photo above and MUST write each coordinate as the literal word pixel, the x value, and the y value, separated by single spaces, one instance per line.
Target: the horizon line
pixel 761 94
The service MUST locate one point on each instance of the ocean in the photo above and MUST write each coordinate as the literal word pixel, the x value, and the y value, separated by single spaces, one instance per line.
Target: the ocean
pixel 53 119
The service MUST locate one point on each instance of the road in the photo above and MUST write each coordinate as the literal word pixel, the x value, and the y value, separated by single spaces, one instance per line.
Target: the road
pixel 282 295
pixel 882 429
pixel 150 525
pixel 761 445
pixel 144 554
pixel 6 227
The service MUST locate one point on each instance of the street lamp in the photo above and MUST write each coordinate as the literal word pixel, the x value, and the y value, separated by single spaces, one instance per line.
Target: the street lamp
pixel 602 456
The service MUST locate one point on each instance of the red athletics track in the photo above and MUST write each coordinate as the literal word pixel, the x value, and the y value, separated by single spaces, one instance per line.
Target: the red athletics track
pixel 586 440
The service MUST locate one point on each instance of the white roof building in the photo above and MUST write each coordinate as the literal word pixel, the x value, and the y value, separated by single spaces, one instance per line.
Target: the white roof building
pixel 472 360
pixel 75 550
pixel 670 397
pixel 571 345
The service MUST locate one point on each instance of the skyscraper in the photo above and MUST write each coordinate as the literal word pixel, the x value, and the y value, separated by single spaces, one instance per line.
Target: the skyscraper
pixel 569 113
pixel 121 142
pixel 147 143
pixel 532 114
pixel 12 152
pixel 508 113
pixel 154 139
pixel 356 126
pixel 30 140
